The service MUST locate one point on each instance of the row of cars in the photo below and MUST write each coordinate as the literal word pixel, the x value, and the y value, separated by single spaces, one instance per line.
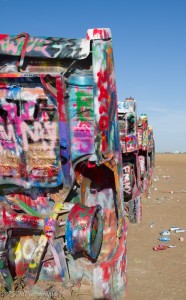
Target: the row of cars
pixel 68 176
pixel 138 154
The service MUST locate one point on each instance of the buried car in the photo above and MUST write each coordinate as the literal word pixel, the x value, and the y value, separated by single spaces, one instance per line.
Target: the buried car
pixel 146 152
pixel 138 152
pixel 61 181
pixel 127 116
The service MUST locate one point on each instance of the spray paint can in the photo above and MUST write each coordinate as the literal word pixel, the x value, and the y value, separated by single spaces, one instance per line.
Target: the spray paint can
pixel 164 238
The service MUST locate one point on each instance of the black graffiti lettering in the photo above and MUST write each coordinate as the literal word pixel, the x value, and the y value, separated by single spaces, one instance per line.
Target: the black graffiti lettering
pixel 36 111
pixel 19 104
pixel 41 105
pixel 3 114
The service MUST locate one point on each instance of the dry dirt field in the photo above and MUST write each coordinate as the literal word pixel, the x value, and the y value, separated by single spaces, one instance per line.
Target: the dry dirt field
pixel 160 274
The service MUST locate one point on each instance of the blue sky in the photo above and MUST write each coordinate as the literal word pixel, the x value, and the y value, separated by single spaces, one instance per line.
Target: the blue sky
pixel 149 41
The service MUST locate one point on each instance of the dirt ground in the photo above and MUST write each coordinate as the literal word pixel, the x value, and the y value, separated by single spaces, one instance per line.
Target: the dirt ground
pixel 161 274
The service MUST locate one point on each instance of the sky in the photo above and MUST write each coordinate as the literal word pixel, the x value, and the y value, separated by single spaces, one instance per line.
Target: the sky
pixel 149 43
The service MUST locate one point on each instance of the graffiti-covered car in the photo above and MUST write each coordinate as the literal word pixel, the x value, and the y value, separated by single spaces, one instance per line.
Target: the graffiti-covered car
pixel 61 181
pixel 146 152
pixel 127 116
